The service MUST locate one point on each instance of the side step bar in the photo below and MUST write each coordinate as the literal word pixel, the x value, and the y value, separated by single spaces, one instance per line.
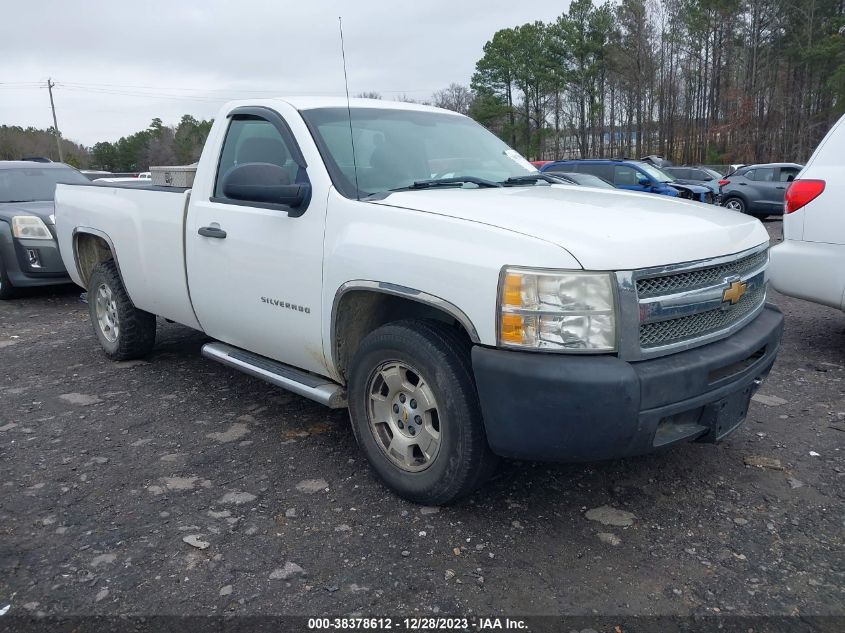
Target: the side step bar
pixel 300 382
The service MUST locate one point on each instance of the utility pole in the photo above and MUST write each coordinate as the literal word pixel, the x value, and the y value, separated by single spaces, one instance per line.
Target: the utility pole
pixel 50 85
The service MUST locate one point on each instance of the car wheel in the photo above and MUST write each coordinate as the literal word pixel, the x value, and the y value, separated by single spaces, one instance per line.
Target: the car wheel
pixel 735 204
pixel 7 290
pixel 124 331
pixel 415 413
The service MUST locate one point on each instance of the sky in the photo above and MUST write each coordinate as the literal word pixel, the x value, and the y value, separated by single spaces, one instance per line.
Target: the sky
pixel 117 65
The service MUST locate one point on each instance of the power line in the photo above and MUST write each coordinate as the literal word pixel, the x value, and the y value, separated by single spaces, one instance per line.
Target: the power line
pixel 233 90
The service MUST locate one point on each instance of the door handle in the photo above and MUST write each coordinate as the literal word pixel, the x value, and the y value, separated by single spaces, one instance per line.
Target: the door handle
pixel 212 231
pixel 780 187
pixel 744 184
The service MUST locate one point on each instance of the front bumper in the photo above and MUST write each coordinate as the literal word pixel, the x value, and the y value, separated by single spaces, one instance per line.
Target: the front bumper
pixel 579 408
pixel 31 262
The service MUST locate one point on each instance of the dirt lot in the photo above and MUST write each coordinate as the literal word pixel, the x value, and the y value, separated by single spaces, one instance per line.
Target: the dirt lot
pixel 177 486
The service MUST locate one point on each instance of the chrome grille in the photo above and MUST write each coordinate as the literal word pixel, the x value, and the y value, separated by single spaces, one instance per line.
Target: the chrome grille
pixel 681 282
pixel 701 324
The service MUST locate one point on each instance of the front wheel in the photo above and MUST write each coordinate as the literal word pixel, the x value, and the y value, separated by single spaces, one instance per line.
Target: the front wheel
pixel 124 331
pixel 415 411
pixel 735 204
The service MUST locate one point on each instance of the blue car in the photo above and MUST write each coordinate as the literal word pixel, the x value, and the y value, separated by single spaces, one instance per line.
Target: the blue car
pixel 634 175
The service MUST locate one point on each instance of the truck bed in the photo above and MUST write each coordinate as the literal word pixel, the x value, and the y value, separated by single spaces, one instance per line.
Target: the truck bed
pixel 153 271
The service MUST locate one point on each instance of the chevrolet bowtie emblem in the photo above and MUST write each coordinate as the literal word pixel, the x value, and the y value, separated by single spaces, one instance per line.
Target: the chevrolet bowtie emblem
pixel 734 292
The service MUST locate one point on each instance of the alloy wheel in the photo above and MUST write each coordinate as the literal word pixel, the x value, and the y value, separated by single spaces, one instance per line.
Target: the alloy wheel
pixel 403 416
pixel 107 318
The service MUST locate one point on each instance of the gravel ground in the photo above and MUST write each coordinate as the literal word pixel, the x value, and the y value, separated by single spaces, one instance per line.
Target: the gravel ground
pixel 178 486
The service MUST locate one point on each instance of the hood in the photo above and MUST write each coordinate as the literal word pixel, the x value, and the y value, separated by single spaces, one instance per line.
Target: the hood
pixel 711 186
pixel 603 229
pixel 693 187
pixel 44 209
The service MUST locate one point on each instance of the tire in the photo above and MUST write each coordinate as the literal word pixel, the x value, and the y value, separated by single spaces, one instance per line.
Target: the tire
pixel 437 357
pixel 7 290
pixel 735 203
pixel 124 331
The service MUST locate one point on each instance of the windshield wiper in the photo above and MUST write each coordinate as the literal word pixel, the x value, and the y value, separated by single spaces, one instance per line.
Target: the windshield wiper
pixel 530 178
pixel 449 182
pixel 10 201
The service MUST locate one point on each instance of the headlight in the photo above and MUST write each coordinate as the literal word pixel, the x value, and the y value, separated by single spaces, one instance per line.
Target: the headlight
pixel 30 227
pixel 556 310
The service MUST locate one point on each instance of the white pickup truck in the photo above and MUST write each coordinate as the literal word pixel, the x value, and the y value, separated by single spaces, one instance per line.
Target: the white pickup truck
pixel 404 262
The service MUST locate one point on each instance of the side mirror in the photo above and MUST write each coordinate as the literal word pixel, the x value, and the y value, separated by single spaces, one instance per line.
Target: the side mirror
pixel 643 181
pixel 265 183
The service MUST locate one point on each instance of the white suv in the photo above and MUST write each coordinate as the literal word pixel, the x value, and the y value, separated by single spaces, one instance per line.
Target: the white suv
pixel 810 263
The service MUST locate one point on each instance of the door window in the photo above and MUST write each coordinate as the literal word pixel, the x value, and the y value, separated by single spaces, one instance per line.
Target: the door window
pixel 625 176
pixel 762 174
pixel 596 169
pixel 254 140
pixel 788 174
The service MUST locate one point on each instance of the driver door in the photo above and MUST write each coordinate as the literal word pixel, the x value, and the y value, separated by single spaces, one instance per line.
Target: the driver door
pixel 255 268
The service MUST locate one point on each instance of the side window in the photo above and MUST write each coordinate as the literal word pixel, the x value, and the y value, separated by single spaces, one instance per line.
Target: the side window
pixel 697 174
pixel 763 174
pixel 625 176
pixel 750 174
pixel 255 140
pixel 596 169
pixel 788 174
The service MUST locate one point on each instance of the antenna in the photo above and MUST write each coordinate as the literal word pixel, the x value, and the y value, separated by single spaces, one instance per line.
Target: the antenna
pixel 349 110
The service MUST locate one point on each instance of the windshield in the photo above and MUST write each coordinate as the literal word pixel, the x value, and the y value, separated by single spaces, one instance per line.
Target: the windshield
pixel 396 148
pixel 656 174
pixel 27 184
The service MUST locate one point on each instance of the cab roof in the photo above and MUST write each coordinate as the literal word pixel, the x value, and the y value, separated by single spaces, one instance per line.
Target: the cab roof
pixel 313 102
pixel 30 164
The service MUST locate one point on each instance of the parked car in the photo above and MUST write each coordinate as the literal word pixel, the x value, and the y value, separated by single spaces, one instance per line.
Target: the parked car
pixel 810 262
pixel 460 317
pixel 145 175
pixel 758 189
pixel 657 160
pixel 94 174
pixel 585 180
pixel 633 175
pixel 132 180
pixel 703 176
pixel 29 255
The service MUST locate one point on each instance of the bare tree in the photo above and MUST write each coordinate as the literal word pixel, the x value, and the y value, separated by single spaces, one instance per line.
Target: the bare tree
pixel 456 97
pixel 368 95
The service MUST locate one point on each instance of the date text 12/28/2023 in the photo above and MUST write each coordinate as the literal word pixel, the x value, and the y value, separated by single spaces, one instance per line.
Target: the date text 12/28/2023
pixel 417 624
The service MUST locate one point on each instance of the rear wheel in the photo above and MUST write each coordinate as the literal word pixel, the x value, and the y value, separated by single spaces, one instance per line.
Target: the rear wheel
pixel 735 204
pixel 124 331
pixel 415 412
pixel 7 290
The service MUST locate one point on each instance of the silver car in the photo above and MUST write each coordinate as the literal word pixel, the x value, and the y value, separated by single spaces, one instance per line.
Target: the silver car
pixel 758 189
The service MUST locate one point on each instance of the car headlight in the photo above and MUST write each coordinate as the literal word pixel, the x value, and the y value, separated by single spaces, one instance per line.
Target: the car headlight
pixel 556 310
pixel 30 227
